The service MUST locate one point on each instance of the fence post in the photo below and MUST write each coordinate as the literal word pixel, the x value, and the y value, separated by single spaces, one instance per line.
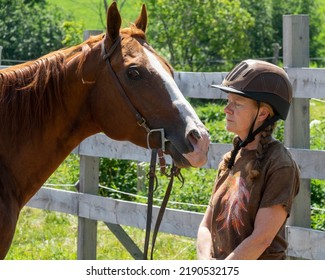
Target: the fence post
pixel 87 229
pixel 297 134
pixel 0 53
pixel 88 183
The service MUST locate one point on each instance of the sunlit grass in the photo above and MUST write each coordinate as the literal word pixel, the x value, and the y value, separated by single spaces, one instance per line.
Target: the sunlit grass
pixel 92 13
pixel 47 235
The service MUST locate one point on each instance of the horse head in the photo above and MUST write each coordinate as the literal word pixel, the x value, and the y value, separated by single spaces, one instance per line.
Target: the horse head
pixel 135 97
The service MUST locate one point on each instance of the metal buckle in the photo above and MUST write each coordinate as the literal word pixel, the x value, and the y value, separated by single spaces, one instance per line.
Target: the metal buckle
pixel 162 133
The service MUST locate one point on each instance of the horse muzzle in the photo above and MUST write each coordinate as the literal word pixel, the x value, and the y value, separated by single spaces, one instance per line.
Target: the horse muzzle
pixel 194 150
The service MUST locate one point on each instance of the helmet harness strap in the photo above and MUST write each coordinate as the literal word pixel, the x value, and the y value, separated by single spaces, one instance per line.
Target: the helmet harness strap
pixel 251 136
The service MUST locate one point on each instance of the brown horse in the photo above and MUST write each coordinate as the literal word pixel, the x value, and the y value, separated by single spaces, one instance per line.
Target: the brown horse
pixel 113 83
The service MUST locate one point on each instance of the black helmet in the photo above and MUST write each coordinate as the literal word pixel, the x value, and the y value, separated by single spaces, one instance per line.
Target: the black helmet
pixel 261 81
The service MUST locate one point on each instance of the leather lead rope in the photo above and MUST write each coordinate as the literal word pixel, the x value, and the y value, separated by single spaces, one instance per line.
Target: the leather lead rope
pixel 151 187
pixel 175 171
pixel 152 172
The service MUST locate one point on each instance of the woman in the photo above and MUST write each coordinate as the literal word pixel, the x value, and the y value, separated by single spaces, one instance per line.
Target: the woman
pixel 258 180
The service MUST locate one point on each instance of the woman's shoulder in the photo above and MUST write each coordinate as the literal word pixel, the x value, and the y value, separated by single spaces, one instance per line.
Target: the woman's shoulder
pixel 279 154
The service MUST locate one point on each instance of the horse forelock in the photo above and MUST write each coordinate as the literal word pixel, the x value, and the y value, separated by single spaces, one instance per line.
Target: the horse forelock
pixel 30 92
pixel 133 31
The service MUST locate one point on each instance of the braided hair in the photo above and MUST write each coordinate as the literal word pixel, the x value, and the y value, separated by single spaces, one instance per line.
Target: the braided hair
pixel 254 167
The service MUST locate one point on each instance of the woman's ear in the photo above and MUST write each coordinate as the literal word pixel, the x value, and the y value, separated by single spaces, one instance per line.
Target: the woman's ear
pixel 263 113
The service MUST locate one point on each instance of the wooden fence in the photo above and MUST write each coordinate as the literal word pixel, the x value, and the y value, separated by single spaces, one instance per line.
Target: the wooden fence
pixel 90 208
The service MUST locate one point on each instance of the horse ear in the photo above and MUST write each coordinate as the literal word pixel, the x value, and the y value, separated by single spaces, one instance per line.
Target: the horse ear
pixel 113 22
pixel 142 20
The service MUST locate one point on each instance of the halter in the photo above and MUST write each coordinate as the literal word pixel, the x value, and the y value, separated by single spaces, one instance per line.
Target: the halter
pixel 175 171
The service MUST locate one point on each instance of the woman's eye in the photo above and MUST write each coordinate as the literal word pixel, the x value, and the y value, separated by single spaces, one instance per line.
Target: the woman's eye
pixel 234 104
pixel 133 73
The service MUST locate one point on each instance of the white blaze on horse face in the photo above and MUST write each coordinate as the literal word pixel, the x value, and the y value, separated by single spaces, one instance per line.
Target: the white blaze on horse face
pixel 175 94
pixel 198 157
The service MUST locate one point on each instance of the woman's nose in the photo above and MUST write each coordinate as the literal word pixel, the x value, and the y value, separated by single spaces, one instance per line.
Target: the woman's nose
pixel 228 109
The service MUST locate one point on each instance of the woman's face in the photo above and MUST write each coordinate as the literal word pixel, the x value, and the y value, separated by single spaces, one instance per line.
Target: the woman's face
pixel 240 114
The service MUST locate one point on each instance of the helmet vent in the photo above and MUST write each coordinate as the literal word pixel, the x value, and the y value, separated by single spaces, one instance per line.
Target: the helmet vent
pixel 249 71
pixel 236 71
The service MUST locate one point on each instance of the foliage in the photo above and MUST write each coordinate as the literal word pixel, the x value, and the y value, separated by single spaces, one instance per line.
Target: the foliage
pixel 317 142
pixel 315 11
pixel 73 33
pixel 196 35
pixel 318 204
pixel 201 35
pixel 31 30
pixel 118 175
pixel 67 174
pixel 318 49
pixel 317 128
pixel 261 34
pixel 212 115
pixel 317 132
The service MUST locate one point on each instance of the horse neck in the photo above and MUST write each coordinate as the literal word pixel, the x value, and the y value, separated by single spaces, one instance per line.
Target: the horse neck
pixel 40 154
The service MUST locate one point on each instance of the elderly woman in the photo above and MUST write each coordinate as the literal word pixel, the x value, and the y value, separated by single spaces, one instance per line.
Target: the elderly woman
pixel 258 180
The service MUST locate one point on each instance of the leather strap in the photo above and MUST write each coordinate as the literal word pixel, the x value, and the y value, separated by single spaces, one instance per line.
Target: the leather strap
pixel 162 209
pixel 107 55
pixel 175 171
pixel 151 187
pixel 152 172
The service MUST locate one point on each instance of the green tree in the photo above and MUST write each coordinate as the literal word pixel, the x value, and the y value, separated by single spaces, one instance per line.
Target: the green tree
pixel 210 35
pixel 261 34
pixel 199 35
pixel 315 10
pixel 29 29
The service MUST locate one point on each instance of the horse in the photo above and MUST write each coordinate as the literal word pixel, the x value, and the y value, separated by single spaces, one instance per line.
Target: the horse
pixel 114 83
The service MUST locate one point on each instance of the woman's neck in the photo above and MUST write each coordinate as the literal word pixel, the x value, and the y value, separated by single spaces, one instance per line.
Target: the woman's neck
pixel 254 144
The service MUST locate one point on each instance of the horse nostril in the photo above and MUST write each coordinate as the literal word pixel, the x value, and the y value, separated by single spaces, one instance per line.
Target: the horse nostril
pixel 194 136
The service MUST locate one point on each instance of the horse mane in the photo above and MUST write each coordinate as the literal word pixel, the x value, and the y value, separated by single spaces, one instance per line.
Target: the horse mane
pixel 29 92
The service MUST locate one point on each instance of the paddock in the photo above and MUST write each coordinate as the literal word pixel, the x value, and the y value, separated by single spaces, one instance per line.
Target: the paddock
pixel 304 243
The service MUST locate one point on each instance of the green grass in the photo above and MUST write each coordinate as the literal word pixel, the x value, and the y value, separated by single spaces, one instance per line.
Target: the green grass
pixel 92 13
pixel 317 127
pixel 317 109
pixel 47 235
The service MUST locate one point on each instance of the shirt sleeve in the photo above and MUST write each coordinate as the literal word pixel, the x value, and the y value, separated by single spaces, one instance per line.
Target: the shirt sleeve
pixel 281 187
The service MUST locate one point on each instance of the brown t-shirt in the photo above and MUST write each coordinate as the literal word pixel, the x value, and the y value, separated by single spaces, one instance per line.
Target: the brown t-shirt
pixel 235 202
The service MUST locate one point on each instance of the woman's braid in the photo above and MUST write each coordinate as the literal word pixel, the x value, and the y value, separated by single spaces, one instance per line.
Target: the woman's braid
pixel 254 167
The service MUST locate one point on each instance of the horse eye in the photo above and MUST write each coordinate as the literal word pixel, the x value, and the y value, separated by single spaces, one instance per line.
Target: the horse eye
pixel 133 73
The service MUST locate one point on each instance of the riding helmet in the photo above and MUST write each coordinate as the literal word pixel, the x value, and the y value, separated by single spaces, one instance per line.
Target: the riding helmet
pixel 260 81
